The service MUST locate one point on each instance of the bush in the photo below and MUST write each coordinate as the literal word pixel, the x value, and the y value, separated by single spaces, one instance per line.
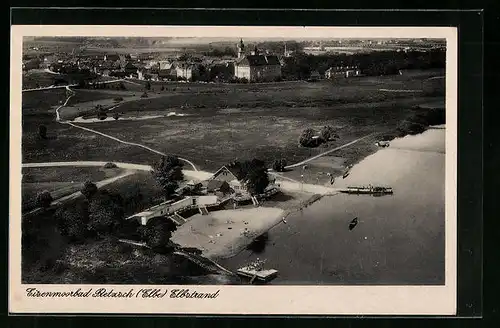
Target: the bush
pixel 167 173
pixel 42 131
pixel 408 127
pixel 116 116
pixel 158 232
pixel 144 95
pixel 306 138
pixel 89 189
pixel 102 116
pixel 328 133
pixel 105 213
pixel 279 165
pixel 44 199
pixel 118 99
pixel 110 166
pixel 72 222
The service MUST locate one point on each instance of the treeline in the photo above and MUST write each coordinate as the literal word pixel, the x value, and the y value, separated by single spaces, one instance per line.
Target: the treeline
pixel 226 52
pixel 301 65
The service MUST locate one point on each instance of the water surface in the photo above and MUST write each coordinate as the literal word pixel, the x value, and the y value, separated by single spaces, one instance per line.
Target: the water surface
pixel 399 239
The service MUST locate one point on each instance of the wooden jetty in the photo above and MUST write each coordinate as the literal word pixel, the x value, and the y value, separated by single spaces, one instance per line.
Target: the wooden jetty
pixel 367 190
pixel 255 271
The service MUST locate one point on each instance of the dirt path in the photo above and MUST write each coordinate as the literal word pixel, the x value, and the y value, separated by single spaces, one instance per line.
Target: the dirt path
pixel 58 119
pixel 77 194
pixel 199 175
pixel 397 90
pixel 328 152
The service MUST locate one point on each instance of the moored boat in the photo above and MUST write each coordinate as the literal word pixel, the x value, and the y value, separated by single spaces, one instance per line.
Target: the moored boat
pixel 368 190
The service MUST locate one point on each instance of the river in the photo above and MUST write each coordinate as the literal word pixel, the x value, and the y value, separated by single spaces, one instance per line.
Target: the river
pixel 399 238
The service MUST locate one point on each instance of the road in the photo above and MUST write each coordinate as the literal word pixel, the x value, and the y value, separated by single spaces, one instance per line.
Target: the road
pixel 77 194
pixel 327 152
pixel 129 143
pixel 73 85
pixel 183 159
pixel 198 175
pixel 291 185
pixel 58 119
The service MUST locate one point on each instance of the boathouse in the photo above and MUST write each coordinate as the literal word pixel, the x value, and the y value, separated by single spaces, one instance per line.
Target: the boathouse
pixel 171 207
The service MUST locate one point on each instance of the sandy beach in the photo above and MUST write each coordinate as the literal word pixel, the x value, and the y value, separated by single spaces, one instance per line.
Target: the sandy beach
pixel 224 233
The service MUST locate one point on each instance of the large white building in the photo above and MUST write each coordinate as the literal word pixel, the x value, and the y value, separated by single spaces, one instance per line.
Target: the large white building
pixel 256 67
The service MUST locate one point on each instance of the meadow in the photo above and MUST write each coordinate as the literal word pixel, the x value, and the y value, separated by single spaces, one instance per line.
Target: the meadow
pixel 223 122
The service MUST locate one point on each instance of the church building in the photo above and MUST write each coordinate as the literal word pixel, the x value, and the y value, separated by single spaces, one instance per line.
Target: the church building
pixel 256 67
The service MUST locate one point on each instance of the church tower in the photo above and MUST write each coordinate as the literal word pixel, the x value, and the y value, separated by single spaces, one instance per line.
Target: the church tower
pixel 241 49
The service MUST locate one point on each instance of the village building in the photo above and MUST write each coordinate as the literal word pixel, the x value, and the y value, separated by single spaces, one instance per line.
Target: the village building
pixel 144 73
pixel 256 67
pixel 187 71
pixel 231 176
pixel 314 76
pixel 221 70
pixel 342 71
pixel 130 69
pixel 111 57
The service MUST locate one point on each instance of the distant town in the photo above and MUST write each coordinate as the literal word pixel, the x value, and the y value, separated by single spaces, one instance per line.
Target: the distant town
pixel 238 62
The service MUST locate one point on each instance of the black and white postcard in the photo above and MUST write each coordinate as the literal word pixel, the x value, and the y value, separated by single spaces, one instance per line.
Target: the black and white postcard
pixel 233 170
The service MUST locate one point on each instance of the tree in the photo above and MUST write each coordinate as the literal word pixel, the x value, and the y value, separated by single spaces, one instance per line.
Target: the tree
pixel 105 213
pixel 328 133
pixel 44 199
pixel 89 189
pixel 167 173
pixel 82 83
pixel 256 178
pixel 101 112
pixel 306 138
pixel 279 165
pixel 253 173
pixel 158 232
pixel 72 222
pixel 42 131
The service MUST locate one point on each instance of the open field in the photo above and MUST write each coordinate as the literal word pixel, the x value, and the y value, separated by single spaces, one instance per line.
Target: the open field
pixel 34 102
pixel 40 78
pixel 59 181
pixel 139 191
pixel 224 122
pixel 65 174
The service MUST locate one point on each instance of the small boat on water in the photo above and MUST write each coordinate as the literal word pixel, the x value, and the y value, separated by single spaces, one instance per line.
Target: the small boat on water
pixel 353 223
pixel 377 190
pixel 347 171
pixel 382 144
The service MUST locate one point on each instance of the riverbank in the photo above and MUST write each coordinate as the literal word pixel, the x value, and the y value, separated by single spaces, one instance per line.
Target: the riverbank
pixel 223 233
pixel 399 238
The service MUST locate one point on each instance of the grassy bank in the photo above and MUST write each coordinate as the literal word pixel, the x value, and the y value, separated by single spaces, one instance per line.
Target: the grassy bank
pixel 59 181
pixel 225 122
